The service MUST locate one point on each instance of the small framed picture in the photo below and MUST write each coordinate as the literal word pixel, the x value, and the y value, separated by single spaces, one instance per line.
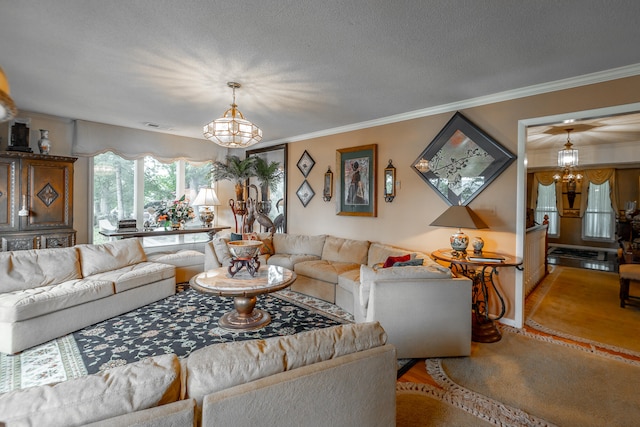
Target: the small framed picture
pixel 306 163
pixel 305 193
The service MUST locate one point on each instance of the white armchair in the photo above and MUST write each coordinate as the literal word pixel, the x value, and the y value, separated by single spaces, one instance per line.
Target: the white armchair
pixel 425 310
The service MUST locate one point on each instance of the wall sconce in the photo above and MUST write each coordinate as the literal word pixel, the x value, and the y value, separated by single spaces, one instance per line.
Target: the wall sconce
pixel 389 182
pixel 327 191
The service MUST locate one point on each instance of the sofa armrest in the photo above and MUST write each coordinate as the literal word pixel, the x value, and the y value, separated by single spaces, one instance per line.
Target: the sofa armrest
pixel 210 258
pixel 424 317
pixel 362 392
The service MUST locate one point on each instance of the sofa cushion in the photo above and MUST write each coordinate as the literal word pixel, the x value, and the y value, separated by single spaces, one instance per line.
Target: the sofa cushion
pixel 137 386
pixel 26 304
pixel 298 244
pixel 182 258
pixel 133 276
pixel 38 267
pixel 222 250
pixel 345 250
pixel 110 256
pixel 180 413
pixel 327 271
pixel 290 260
pixel 225 365
pixel 369 275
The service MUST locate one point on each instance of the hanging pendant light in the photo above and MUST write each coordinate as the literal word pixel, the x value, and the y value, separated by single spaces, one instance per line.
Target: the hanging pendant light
pixel 7 107
pixel 568 157
pixel 232 130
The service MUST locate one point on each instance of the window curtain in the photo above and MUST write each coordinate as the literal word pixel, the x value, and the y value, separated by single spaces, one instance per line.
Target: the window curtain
pixel 545 178
pixel 92 138
pixel 599 176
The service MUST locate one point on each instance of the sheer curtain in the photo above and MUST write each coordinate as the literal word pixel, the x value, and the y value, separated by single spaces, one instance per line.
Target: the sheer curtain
pixel 544 201
pixel 599 207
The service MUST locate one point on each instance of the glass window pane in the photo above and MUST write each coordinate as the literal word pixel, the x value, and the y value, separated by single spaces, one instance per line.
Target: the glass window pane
pixel 598 219
pixel 546 205
pixel 112 192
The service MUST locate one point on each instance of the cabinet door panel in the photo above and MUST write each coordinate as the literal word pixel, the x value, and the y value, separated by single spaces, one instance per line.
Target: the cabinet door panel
pixel 8 195
pixel 49 186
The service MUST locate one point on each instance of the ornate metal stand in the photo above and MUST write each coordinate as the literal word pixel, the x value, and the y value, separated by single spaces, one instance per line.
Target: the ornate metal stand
pixel 252 265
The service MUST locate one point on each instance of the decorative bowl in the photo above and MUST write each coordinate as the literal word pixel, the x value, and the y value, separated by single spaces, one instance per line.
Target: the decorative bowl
pixel 244 249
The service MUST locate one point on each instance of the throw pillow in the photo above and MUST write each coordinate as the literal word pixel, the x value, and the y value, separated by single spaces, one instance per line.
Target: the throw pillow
pixel 235 236
pixel 393 259
pixel 417 261
pixel 267 243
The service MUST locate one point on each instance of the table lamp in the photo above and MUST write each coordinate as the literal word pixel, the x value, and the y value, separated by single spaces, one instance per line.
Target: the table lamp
pixel 205 199
pixel 459 217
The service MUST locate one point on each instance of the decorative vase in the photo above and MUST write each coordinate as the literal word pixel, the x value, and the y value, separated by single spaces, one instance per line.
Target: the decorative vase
pixel 44 145
pixel 477 244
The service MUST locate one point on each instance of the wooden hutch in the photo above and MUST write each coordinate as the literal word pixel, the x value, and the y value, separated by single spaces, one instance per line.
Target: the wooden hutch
pixel 36 201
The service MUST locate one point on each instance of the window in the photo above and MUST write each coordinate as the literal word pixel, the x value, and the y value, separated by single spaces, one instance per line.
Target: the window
pixel 598 219
pixel 546 205
pixel 117 182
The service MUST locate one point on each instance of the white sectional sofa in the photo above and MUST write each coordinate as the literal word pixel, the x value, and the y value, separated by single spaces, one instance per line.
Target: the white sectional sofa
pixel 425 309
pixel 339 376
pixel 47 293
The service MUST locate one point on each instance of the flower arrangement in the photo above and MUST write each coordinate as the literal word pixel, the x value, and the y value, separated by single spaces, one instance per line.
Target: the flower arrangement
pixel 177 212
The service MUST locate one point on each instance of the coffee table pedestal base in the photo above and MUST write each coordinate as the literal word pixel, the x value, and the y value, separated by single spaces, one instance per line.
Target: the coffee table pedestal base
pixel 245 317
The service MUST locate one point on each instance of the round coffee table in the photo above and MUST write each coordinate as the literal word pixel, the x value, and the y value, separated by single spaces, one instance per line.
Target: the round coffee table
pixel 244 288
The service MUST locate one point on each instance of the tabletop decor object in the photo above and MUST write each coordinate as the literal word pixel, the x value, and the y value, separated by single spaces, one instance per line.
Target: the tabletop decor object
pixel 459 217
pixel 461 161
pixel 244 254
pixel 175 214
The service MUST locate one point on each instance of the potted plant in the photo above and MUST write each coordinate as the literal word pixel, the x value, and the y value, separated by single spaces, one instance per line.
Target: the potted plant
pixel 236 170
pixel 269 176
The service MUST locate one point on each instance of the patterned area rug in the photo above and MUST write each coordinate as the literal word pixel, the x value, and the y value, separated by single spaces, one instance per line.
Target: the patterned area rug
pixel 178 324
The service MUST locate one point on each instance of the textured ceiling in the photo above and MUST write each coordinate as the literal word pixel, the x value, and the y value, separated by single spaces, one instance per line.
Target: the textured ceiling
pixel 305 66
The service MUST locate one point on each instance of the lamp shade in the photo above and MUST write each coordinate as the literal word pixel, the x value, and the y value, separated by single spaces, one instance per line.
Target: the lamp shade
pixel 7 107
pixel 206 197
pixel 459 217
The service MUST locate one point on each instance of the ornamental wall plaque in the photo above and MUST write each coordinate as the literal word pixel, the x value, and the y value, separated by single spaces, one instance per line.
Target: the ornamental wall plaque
pixel 461 161
pixel 306 163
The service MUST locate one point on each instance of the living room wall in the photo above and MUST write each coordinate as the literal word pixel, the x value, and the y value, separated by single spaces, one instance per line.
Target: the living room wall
pixel 405 221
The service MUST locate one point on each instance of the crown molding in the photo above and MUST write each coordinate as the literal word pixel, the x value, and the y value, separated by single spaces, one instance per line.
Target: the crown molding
pixel 569 83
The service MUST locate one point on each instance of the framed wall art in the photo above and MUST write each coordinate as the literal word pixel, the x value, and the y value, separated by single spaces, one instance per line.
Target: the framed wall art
pixel 305 193
pixel 357 177
pixel 461 161
pixel 305 164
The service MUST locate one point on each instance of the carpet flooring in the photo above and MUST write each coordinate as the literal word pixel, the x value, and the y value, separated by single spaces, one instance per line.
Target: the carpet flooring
pixel 551 381
pixel 178 324
pixel 584 304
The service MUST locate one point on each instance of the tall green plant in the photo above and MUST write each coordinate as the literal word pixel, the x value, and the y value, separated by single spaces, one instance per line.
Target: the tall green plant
pixel 235 169
pixel 268 174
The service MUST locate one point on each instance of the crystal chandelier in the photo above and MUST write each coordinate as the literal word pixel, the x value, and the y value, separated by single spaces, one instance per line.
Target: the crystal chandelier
pixel 232 130
pixel 568 162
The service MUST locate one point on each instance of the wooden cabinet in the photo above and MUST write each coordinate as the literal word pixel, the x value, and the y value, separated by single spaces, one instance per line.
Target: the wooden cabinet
pixel 36 201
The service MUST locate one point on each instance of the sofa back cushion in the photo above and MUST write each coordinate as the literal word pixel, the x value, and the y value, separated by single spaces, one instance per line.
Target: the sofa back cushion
pixel 298 244
pixel 145 384
pixel 33 268
pixel 110 256
pixel 225 365
pixel 345 250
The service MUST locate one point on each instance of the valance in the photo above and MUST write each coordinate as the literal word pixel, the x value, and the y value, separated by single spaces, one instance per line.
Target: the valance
pixel 91 138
